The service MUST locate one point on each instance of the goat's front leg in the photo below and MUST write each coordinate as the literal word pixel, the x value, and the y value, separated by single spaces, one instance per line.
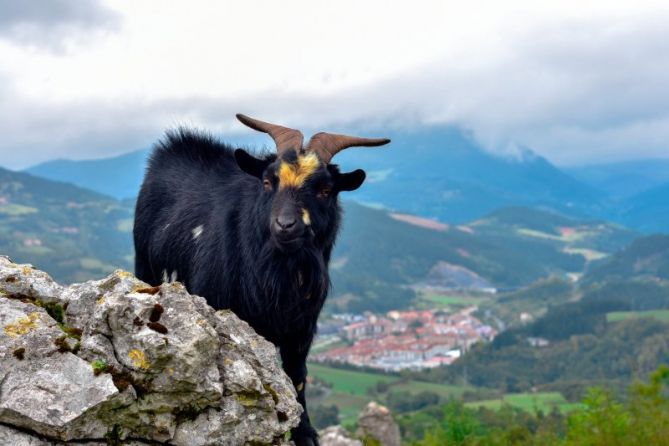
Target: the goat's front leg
pixel 294 358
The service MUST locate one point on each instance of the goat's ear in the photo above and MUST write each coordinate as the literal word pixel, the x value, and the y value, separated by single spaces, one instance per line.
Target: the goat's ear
pixel 350 181
pixel 249 163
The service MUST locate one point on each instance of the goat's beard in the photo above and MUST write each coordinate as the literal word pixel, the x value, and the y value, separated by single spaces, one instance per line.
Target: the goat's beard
pixel 288 281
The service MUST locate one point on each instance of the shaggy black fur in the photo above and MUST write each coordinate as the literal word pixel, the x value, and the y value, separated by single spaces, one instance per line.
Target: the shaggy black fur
pixel 208 214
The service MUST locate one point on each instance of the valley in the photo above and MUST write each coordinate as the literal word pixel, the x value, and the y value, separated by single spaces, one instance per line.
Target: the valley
pixel 556 268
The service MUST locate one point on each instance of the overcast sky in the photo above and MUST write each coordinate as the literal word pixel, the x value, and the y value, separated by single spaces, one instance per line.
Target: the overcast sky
pixel 576 81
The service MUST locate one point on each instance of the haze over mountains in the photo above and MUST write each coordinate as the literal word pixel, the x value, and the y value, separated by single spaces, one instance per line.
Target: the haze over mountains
pixel 118 177
pixel 648 211
pixel 504 222
pixel 443 173
pixel 77 234
pixel 378 254
pixel 624 179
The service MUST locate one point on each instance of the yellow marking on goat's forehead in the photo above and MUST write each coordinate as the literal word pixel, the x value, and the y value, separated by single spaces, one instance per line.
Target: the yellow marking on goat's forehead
pixel 295 175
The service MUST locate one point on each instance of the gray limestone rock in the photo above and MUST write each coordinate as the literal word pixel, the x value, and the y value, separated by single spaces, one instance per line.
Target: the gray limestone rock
pixel 118 359
pixel 376 422
pixel 337 436
pixel 40 284
pixel 13 437
pixel 9 436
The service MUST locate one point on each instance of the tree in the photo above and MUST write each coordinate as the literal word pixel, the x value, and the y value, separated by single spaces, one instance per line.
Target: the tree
pixel 324 416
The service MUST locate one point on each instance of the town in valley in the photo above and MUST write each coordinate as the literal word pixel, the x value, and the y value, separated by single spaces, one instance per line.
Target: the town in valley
pixel 400 340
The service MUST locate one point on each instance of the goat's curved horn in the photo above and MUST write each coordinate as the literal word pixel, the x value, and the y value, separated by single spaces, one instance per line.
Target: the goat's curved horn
pixel 285 138
pixel 327 145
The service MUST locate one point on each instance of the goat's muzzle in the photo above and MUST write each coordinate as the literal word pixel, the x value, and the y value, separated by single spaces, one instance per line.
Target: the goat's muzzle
pixel 288 231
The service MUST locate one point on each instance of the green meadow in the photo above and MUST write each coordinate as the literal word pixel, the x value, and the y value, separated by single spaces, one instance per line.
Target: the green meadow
pixel 349 381
pixel 530 402
pixel 351 389
pixel 428 299
pixel 615 316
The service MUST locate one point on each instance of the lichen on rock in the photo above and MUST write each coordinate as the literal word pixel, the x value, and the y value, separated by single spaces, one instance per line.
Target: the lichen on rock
pixel 22 325
pixel 131 361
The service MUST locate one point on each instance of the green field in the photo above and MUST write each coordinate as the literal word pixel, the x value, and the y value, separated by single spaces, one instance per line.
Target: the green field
pixel 15 210
pixel 350 392
pixel 93 264
pixel 348 381
pixel 443 390
pixel 350 389
pixel 357 383
pixel 531 402
pixel 349 406
pixel 431 299
pixel 615 316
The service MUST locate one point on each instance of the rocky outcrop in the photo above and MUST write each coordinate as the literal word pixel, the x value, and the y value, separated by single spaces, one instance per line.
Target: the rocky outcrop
pixel 376 426
pixel 337 436
pixel 116 360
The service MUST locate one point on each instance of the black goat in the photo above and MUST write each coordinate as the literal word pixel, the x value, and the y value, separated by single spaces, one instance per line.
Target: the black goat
pixel 251 235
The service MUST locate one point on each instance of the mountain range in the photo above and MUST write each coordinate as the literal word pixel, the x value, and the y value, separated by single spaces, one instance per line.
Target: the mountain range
pixel 118 177
pixel 77 234
pixel 379 253
pixel 648 211
pixel 443 173
pixel 624 179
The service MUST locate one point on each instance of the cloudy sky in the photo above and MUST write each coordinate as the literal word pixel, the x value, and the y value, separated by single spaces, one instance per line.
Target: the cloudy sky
pixel 577 81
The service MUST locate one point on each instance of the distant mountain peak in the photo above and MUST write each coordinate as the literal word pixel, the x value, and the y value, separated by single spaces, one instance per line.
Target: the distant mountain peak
pixel 119 177
pixel 515 152
pixel 441 172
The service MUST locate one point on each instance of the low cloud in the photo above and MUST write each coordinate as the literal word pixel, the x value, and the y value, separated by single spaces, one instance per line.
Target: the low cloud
pixel 576 90
pixel 47 24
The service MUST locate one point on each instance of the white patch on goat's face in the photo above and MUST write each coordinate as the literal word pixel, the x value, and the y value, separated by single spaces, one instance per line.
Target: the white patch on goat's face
pixel 306 218
pixel 197 231
pixel 164 277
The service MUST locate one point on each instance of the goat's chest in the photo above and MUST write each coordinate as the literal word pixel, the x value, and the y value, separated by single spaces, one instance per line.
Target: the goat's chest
pixel 289 316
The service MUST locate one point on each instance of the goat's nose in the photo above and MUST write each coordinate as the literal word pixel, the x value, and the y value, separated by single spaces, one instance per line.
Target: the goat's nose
pixel 285 222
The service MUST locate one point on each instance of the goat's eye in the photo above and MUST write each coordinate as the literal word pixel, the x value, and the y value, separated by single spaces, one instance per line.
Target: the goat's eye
pixel 325 192
pixel 267 184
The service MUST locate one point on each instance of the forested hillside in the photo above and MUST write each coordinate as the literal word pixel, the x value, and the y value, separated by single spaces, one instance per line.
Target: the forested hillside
pixel 74 233
pixel 607 328
pixel 79 234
